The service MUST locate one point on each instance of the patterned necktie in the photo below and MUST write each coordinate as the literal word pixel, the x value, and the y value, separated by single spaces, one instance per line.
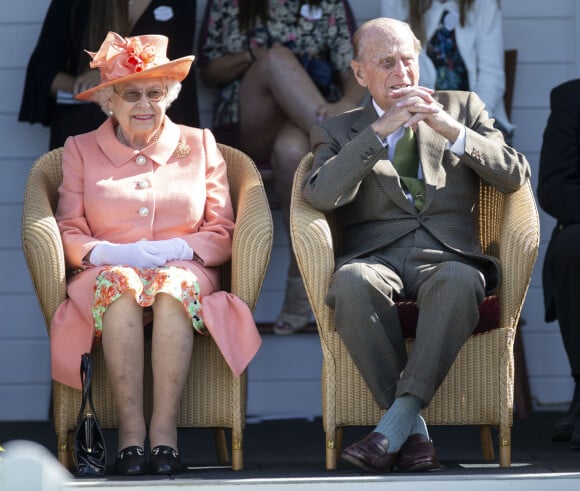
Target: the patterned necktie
pixel 406 163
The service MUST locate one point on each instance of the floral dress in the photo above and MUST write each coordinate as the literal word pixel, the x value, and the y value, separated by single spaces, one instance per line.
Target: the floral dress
pixel 146 283
pixel 324 32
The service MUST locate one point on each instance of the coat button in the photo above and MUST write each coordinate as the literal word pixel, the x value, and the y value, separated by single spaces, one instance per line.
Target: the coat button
pixel 143 211
pixel 140 159
pixel 142 184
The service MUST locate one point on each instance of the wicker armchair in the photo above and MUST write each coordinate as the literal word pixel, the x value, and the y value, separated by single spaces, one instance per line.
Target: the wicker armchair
pixel 479 388
pixel 219 404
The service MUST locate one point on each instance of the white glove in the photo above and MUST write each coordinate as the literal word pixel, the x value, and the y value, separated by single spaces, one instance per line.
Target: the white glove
pixel 135 255
pixel 170 249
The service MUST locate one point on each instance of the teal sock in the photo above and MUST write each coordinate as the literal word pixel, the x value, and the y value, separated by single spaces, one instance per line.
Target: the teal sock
pixel 399 420
pixel 420 427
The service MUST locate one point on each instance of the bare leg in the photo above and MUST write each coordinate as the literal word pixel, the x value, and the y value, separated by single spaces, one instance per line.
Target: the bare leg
pixel 275 89
pixel 279 102
pixel 123 347
pixel 290 146
pixel 172 344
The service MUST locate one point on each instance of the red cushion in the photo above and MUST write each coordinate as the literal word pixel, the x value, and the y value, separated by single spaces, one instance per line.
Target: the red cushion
pixel 488 316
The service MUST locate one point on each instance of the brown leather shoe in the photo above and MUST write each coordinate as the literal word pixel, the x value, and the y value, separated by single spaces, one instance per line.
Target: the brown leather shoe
pixel 417 455
pixel 370 453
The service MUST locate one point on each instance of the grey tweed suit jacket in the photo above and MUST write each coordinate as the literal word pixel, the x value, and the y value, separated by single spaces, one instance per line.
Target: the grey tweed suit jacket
pixel 352 176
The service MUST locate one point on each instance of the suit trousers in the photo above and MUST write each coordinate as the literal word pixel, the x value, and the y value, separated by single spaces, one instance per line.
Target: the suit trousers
pixel 562 273
pixel 448 289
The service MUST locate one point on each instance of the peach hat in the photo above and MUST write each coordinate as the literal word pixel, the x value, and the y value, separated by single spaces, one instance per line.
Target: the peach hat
pixel 121 60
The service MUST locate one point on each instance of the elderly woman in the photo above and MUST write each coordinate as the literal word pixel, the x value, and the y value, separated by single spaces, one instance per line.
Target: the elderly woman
pixel 145 218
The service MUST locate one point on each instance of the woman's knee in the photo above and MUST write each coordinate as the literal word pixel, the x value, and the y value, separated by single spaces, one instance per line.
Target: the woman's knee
pixel 279 56
pixel 124 307
pixel 167 305
pixel 287 152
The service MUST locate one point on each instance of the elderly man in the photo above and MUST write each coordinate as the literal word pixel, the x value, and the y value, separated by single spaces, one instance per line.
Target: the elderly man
pixel 403 176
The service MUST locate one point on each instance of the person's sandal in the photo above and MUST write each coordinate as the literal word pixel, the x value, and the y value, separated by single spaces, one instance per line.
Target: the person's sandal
pixel 295 315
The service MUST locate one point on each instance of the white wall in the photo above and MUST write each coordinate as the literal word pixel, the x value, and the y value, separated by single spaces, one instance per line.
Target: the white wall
pixel 547 38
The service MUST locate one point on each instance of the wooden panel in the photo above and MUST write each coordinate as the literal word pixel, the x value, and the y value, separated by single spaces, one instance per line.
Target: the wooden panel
pixel 277 360
pixel 18 42
pixel 25 402
pixel 537 345
pixel 293 399
pixel 31 369
pixel 15 172
pixel 12 266
pixel 553 8
pixel 552 393
pixel 10 220
pixel 269 303
pixel 12 83
pixel 537 94
pixel 533 312
pixel 19 11
pixel 21 140
pixel 21 318
pixel 535 39
pixel 530 124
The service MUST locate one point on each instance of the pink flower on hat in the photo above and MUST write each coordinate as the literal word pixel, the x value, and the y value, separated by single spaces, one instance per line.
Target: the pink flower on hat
pixel 138 56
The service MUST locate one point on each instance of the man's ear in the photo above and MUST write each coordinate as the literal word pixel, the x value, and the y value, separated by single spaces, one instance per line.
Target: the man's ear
pixel 358 72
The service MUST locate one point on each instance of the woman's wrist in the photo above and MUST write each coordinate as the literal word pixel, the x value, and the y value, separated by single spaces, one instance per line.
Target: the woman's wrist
pixel 251 53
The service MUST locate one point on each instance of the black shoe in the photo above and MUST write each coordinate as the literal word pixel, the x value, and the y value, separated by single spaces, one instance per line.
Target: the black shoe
pixel 164 460
pixel 568 428
pixel 131 461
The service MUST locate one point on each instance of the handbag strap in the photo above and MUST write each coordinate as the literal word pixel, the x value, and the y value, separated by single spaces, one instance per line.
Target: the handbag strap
pixel 86 377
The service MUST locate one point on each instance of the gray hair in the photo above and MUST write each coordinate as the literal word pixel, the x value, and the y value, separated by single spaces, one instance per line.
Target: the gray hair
pixel 103 96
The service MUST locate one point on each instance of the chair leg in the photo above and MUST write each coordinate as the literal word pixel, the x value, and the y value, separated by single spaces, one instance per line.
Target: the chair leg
pixel 237 454
pixel 486 442
pixel 65 449
pixel 221 446
pixel 505 446
pixel 339 439
pixel 333 446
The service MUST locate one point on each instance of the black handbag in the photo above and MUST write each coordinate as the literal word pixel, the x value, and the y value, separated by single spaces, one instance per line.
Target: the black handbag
pixel 321 72
pixel 90 451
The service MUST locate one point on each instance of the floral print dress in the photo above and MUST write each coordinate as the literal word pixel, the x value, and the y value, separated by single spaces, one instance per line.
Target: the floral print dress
pixel 324 31
pixel 146 283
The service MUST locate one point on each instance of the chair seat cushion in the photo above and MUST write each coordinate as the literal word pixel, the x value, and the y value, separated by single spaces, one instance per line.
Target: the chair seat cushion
pixel 488 316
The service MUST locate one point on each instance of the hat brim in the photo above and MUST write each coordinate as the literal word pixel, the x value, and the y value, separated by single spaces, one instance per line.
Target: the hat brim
pixel 175 70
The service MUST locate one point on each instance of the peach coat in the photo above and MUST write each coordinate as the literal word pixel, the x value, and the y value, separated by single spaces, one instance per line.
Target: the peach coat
pixel 176 187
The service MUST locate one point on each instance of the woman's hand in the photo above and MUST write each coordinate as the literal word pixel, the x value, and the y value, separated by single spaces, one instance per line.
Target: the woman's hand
pixel 134 255
pixel 141 254
pixel 171 249
pixel 328 110
pixel 85 81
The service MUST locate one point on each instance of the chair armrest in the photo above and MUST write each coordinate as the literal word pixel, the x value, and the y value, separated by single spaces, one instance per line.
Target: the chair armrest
pixel 254 231
pixel 41 238
pixel 314 249
pixel 519 239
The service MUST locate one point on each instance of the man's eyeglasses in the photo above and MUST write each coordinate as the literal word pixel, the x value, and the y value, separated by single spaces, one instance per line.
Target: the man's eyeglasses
pixel 134 95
